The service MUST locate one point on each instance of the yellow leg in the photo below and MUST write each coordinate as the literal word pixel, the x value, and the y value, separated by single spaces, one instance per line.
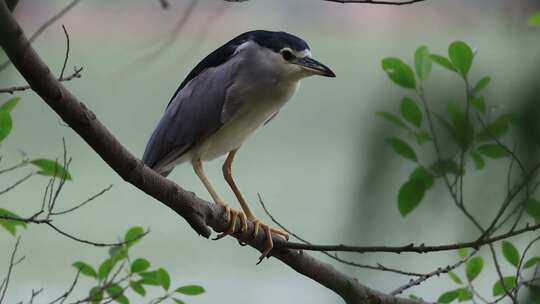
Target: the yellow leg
pixel 232 213
pixel 227 173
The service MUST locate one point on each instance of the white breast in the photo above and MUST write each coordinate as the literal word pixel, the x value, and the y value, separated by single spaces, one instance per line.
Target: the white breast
pixel 236 131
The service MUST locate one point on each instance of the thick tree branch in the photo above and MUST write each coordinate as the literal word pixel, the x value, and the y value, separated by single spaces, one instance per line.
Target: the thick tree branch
pixel 198 213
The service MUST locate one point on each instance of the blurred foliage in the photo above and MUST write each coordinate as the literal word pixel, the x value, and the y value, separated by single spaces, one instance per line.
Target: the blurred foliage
pixel 117 274
pixel 471 140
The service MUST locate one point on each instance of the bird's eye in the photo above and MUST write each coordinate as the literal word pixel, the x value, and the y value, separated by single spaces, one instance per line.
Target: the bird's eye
pixel 287 55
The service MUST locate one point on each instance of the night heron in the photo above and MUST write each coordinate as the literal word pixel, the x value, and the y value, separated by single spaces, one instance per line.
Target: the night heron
pixel 236 89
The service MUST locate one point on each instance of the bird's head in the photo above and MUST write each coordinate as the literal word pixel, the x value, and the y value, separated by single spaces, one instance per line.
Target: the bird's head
pixel 290 54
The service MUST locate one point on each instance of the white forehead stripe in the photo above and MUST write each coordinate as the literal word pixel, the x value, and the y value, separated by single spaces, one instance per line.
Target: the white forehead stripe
pixel 242 46
pixel 302 54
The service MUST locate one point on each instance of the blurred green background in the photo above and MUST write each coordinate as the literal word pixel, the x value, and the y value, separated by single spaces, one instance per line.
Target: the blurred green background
pixel 322 166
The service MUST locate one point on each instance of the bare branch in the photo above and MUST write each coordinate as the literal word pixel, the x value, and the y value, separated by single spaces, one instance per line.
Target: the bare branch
pixel 90 242
pixel 63 297
pixel 436 272
pixel 23 163
pixel 43 27
pixel 411 247
pixel 20 181
pixel 334 256
pixel 76 74
pixel 67 53
pixel 88 200
pixel 12 263
pixel 375 2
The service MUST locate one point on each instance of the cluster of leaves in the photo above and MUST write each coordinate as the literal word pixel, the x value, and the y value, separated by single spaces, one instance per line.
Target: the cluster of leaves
pixel 474 267
pixel 46 167
pixel 477 141
pixel 118 274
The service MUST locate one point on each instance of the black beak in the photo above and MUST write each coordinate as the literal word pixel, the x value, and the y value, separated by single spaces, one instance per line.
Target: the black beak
pixel 314 66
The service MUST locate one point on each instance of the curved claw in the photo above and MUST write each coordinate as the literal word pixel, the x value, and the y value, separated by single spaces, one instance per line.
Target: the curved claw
pixel 269 242
pixel 233 215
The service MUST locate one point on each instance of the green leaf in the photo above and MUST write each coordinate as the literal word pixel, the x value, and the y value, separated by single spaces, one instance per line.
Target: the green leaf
pixel 51 168
pixel 164 278
pixel 455 277
pixel 402 148
pixel 10 104
pixel 511 253
pixel 494 151
pixel 479 162
pixel 420 173
pixel 421 136
pixel 118 253
pixel 133 235
pixel 150 278
pixel 481 84
pixel 531 262
pixel 10 225
pixel 137 287
pixel 139 265
pixel 95 295
pixel 105 268
pixel 448 297
pixel 479 103
pixel 85 269
pixel 532 206
pixel 399 72
pixel 463 252
pixel 461 56
pixel 190 290
pixel 462 130
pixel 534 20
pixel 445 166
pixel 496 129
pixel 443 61
pixel 178 301
pixel 6 124
pixel 117 293
pixel 422 62
pixel 473 268
pixel 411 112
pixel 410 195
pixel 464 294
pixel 509 283
pixel 393 119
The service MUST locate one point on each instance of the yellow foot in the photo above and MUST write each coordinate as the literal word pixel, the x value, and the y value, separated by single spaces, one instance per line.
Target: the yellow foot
pixel 268 231
pixel 233 214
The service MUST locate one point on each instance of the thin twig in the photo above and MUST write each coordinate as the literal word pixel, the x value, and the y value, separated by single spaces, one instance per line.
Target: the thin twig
pixel 62 298
pixel 44 26
pixel 12 263
pixel 20 181
pixel 432 274
pixel 334 256
pixel 93 243
pixel 76 74
pixel 23 163
pixel 83 203
pixel 67 53
pixel 374 2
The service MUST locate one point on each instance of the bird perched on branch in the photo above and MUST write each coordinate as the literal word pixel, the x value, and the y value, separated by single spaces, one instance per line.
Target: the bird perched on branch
pixel 232 92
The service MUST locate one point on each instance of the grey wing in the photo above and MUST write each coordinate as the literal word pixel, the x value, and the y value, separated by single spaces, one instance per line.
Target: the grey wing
pixel 193 114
